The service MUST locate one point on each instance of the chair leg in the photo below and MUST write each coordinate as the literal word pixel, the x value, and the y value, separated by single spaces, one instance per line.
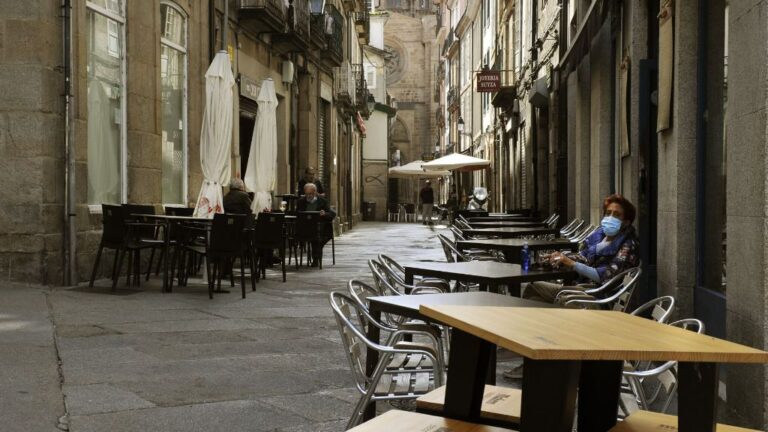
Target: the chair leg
pixel 242 274
pixel 137 265
pixel 130 266
pixel 160 261
pixel 211 279
pixel 333 250
pixel 119 264
pixel 282 261
pixel 218 265
pixel 149 265
pixel 254 273
pixel 96 264
pixel 231 265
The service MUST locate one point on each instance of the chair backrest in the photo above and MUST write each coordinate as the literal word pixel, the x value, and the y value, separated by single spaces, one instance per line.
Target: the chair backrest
pixel 381 278
pixel 658 309
pixel 346 310
pixel 394 267
pixel 553 223
pixel 307 226
pixel 550 218
pixel 113 222
pixel 227 233
pixel 393 208
pixel 449 248
pixel 622 297
pixel 410 208
pixel 572 227
pixel 269 230
pixel 145 232
pixel 179 211
pixel 457 234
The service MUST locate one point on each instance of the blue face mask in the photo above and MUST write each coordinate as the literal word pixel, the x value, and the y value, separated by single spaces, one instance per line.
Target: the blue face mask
pixel 611 225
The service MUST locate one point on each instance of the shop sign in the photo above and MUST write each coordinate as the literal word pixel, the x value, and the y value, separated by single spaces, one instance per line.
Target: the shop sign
pixel 488 81
pixel 249 88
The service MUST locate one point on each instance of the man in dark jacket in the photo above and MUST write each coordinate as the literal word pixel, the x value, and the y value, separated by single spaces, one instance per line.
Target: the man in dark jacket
pixel 309 177
pixel 427 196
pixel 237 199
pixel 312 202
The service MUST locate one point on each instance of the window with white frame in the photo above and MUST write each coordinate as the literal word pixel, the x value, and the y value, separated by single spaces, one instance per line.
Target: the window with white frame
pixel 173 80
pixel 370 75
pixel 106 101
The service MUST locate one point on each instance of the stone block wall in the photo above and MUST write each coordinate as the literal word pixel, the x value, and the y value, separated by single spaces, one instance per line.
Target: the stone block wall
pixel 31 142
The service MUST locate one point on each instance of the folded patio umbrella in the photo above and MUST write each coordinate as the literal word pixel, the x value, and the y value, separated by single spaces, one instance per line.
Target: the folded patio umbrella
pixel 261 173
pixel 457 162
pixel 216 136
pixel 414 170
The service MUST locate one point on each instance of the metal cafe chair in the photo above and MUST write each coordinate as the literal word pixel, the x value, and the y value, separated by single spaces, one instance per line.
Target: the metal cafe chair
pixel 393 213
pixel 121 235
pixel 226 243
pixel 616 296
pixel 398 271
pixel 396 328
pixel 661 378
pixel 269 235
pixel 404 370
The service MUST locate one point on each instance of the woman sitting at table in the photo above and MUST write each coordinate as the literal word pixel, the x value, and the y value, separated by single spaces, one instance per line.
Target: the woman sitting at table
pixel 611 249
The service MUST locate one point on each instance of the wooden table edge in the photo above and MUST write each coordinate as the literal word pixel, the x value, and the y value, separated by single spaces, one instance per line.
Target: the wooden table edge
pixel 758 357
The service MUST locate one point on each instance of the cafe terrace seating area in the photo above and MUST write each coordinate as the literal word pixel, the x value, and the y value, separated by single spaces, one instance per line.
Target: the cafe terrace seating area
pixel 176 245
pixel 424 337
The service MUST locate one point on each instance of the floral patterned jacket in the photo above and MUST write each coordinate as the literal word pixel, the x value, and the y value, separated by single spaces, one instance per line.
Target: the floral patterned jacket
pixel 620 254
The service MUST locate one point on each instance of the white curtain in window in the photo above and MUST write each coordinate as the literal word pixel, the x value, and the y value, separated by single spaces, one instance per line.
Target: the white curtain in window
pixel 260 176
pixel 103 139
pixel 216 136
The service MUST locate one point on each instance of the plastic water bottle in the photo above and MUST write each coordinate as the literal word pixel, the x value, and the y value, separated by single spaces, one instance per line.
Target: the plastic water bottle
pixel 525 257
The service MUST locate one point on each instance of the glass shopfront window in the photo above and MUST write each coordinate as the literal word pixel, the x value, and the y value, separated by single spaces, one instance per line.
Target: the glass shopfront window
pixel 106 101
pixel 173 77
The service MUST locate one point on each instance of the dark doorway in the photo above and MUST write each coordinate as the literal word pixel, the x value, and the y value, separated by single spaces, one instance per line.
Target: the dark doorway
pixel 247 123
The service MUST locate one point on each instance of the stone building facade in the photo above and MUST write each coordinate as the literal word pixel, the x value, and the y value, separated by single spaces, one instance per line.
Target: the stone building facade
pixel 136 100
pixel 660 101
pixel 412 56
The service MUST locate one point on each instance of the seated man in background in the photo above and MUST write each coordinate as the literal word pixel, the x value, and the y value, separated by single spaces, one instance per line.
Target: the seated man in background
pixel 610 250
pixel 237 200
pixel 312 202
pixel 309 177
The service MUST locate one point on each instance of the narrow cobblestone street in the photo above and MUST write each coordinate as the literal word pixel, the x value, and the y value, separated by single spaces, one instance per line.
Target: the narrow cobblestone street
pixel 139 359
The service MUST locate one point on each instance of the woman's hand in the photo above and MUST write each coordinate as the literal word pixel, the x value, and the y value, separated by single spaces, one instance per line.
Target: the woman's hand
pixel 558 258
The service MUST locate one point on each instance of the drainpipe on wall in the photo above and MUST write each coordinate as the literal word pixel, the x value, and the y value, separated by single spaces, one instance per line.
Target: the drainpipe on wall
pixel 70 208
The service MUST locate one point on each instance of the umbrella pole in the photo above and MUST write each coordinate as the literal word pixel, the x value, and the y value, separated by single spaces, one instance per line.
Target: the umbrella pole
pixel 225 21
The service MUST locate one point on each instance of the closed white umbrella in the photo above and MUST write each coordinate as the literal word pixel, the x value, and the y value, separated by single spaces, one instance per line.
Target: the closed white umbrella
pixel 414 170
pixel 457 162
pixel 216 136
pixel 260 175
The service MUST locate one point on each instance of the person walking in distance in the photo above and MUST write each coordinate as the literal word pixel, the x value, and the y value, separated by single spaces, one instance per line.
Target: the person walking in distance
pixel 427 196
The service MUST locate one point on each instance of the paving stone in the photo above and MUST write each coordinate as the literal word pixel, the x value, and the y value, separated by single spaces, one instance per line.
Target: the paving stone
pixel 101 398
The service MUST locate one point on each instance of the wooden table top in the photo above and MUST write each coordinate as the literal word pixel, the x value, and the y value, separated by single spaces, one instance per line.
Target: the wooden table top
pixel 515 244
pixel 406 421
pixel 486 271
pixel 646 421
pixel 507 224
pixel 408 305
pixel 573 334
pixel 509 231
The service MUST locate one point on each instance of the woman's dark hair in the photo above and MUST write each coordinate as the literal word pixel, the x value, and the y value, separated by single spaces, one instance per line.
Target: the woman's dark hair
pixel 628 207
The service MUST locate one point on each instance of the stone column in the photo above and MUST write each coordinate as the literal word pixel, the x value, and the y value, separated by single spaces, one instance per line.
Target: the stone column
pixel 747 220
pixel 677 168
pixel 601 121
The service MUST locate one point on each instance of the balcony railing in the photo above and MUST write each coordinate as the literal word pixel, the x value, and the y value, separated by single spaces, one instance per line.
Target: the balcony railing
pixel 344 85
pixel 361 89
pixel 335 50
pixel 362 25
pixel 263 15
pixel 289 25
pixel 453 97
pixel 317 31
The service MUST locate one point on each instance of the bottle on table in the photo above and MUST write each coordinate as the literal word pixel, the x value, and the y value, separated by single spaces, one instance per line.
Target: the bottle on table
pixel 525 257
